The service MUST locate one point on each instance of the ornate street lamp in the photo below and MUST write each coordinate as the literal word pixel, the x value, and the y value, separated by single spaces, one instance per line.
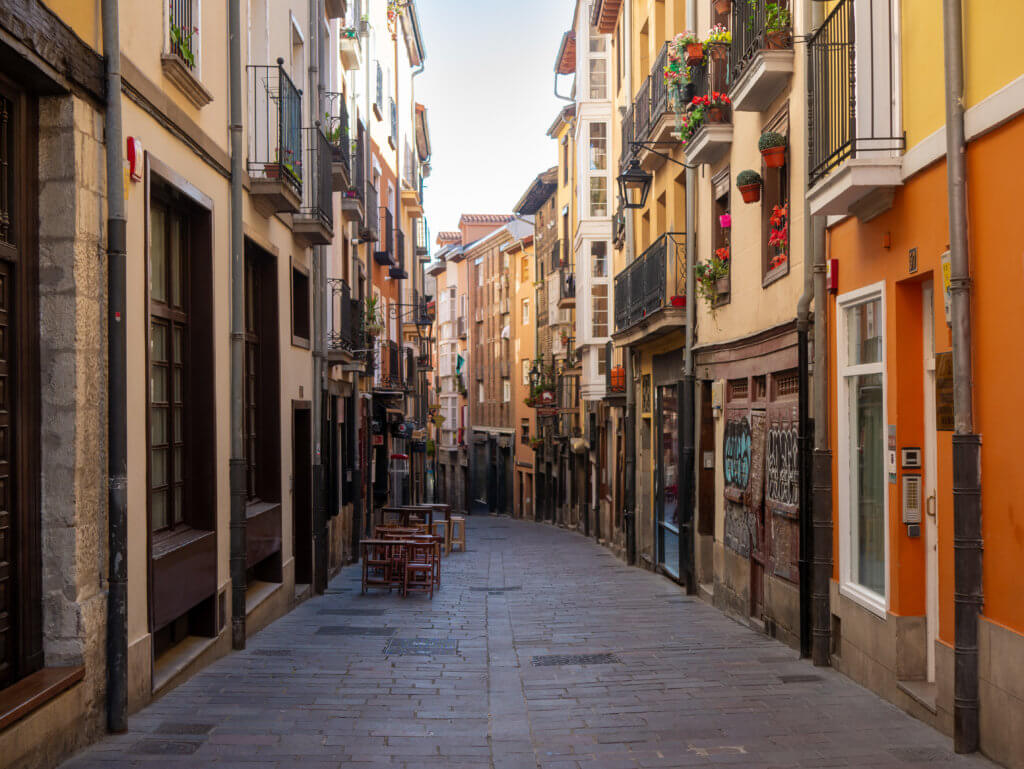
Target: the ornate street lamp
pixel 634 185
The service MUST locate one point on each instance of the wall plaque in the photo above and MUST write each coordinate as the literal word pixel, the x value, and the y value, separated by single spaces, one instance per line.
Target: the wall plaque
pixel 944 391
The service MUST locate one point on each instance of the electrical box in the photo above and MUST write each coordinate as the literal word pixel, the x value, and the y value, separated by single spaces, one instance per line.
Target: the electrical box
pixel 911 499
pixel 911 459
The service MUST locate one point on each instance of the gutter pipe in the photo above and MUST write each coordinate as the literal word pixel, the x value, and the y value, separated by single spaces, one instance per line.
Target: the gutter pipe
pixel 117 398
pixel 967 531
pixel 629 495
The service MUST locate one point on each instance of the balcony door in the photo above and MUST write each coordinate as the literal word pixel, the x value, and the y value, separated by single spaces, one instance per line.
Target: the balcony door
pixel 667 485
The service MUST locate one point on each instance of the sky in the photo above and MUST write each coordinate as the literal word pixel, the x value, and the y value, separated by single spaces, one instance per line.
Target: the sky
pixel 488 88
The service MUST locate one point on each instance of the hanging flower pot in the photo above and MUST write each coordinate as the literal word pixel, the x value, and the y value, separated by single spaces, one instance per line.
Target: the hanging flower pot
pixel 723 6
pixel 694 53
pixel 722 285
pixel 773 149
pixel 724 221
pixel 678 301
pixel 718 51
pixel 778 41
pixel 749 184
pixel 717 114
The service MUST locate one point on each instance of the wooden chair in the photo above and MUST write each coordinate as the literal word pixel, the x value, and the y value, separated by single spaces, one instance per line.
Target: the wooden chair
pixel 458 535
pixel 377 566
pixel 419 568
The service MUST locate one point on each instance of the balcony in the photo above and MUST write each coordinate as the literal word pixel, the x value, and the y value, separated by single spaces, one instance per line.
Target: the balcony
pixel 650 293
pixel 397 270
pixel 566 288
pixel 346 341
pixel 542 308
pixel 314 222
pixel 350 50
pixel 378 102
pixel 760 62
pixel 336 129
pixel 275 139
pixel 712 140
pixel 421 237
pixel 353 200
pixel 386 228
pixel 460 327
pixel 389 368
pixel 628 137
pixel 393 114
pixel 661 121
pixel 559 255
pixel 854 146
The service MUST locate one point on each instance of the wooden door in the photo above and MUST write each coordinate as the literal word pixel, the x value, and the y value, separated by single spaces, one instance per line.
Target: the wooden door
pixel 9 561
pixel 302 494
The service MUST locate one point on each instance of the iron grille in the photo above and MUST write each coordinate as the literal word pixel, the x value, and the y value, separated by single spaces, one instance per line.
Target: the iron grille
pixel 337 129
pixel 275 124
pixel 655 280
pixel 318 190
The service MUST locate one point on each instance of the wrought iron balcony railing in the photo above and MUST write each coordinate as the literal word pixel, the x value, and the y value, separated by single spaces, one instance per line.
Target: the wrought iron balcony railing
pixel 653 281
pixel 275 124
pixel 386 229
pixel 318 189
pixel 397 270
pixel 628 137
pixel 336 128
pixel 567 283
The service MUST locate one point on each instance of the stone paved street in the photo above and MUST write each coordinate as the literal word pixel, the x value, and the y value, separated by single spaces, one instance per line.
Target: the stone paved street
pixel 672 683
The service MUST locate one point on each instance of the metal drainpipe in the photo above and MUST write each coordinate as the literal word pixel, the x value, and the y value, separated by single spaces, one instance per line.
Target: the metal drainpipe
pixel 629 493
pixel 318 287
pixel 967 532
pixel 367 501
pixel 236 475
pixel 812 17
pixel 117 415
pixel 687 473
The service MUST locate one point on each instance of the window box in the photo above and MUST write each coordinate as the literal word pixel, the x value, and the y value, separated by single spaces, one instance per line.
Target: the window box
pixel 178 73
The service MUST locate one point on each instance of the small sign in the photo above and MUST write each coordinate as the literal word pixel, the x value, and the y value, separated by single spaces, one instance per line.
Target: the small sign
pixel 947 280
pixel 912 261
pixel 944 392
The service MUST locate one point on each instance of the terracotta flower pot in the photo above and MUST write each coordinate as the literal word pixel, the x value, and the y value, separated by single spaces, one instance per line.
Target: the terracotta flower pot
pixel 774 157
pixel 723 6
pixel 694 53
pixel 751 193
pixel 718 115
pixel 718 51
pixel 778 40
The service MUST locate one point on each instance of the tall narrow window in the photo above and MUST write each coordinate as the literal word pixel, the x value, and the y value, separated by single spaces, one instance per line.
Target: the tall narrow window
pixel 300 307
pixel 598 169
pixel 599 297
pixel 168 365
pixel 598 69
pixel 599 259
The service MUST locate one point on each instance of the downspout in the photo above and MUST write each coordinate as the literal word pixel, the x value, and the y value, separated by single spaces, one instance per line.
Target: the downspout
pixel 629 493
pixel 967 532
pixel 687 451
pixel 117 398
pixel 366 405
pixel 236 475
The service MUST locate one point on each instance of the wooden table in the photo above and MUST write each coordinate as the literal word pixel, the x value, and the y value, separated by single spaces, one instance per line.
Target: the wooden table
pixel 406 512
pixel 395 559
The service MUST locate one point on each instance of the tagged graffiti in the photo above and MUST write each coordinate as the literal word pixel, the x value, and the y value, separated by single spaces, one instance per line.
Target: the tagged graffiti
pixel 783 465
pixel 737 453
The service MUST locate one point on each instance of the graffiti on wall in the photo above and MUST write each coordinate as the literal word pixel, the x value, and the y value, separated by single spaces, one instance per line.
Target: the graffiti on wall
pixel 737 453
pixel 783 464
pixel 740 528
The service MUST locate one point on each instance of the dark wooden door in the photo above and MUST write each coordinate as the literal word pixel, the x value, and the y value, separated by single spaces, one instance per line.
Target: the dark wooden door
pixel 8 536
pixel 302 495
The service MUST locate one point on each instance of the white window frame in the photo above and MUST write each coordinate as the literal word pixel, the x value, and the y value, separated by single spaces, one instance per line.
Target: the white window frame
pixel 197 47
pixel 856 592
pixel 525 312
pixel 592 174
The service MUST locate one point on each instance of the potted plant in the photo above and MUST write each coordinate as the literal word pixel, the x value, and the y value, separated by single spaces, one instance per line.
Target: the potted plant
pixel 181 41
pixel 778 235
pixel 773 149
pixel 372 323
pixel 725 221
pixel 718 40
pixel 723 6
pixel 715 107
pixel 713 276
pixel 693 46
pixel 749 184
pixel 536 443
pixel 777 25
pixel 689 124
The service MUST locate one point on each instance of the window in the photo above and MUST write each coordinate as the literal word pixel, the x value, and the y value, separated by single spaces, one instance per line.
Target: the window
pixel 721 229
pixel 599 259
pixel 524 428
pixel 526 312
pixel 598 196
pixel 480 392
pixel 598 167
pixel 775 211
pixel 524 269
pixel 300 307
pixel 602 361
pixel 184 39
pixel 526 372
pixel 599 297
pixel 565 160
pixel 598 69
pixel 506 390
pixel 862 445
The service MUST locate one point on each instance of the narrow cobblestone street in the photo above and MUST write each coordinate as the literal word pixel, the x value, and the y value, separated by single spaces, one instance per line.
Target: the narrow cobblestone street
pixel 486 675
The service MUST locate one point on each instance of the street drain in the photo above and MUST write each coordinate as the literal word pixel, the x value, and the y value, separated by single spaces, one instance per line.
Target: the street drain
pixel 353 612
pixel 549 660
pixel 800 678
pixel 493 590
pixel 421 646
pixel 921 755
pixel 169 727
pixel 165 747
pixel 349 630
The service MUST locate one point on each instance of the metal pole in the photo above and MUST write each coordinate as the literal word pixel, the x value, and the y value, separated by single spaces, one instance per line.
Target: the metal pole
pixel 967 533
pixel 117 397
pixel 821 489
pixel 629 493
pixel 236 475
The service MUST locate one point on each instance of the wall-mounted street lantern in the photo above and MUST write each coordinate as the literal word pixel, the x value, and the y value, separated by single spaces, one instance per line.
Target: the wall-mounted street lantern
pixel 634 185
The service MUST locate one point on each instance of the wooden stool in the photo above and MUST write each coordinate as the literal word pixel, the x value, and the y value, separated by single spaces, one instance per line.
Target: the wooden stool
pixel 458 532
pixel 445 529
pixel 419 568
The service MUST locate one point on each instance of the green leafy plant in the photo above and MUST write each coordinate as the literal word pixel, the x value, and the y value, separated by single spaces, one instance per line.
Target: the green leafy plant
pixel 770 139
pixel 690 123
pixel 718 35
pixel 710 272
pixel 684 39
pixel 743 178
pixel 777 18
pixel 181 38
pixel 350 32
pixel 372 322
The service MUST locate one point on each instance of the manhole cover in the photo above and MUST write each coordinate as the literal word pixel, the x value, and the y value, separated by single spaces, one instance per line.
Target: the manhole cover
pixel 575 659
pixel 165 747
pixel 493 590
pixel 352 612
pixel 349 630
pixel 169 727
pixel 800 678
pixel 421 646
pixel 273 652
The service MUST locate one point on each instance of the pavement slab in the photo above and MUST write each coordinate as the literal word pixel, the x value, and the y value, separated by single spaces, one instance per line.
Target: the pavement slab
pixel 540 651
